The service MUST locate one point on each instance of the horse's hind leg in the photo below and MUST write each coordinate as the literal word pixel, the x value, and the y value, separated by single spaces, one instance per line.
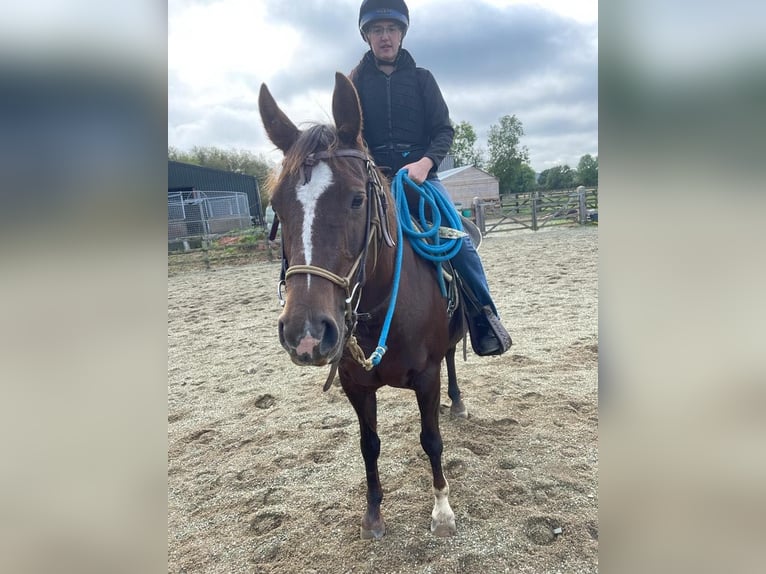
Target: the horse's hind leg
pixel 458 408
pixel 365 404
pixel 442 517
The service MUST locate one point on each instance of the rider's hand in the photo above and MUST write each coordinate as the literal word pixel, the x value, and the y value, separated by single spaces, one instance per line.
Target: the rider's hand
pixel 418 171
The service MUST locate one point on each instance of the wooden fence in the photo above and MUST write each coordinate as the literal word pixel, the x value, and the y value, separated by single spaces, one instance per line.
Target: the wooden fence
pixel 537 209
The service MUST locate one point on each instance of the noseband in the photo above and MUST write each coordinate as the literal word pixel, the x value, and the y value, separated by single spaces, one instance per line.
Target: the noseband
pixel 353 282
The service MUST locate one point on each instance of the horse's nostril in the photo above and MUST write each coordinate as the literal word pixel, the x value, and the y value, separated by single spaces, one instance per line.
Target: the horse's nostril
pixel 329 338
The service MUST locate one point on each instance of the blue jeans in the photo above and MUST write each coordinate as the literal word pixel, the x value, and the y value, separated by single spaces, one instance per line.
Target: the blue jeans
pixel 468 263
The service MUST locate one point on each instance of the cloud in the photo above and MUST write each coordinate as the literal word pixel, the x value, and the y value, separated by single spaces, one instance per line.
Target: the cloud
pixel 490 61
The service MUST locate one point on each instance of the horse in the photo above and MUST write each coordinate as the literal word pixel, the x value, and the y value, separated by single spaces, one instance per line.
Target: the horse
pixel 339 277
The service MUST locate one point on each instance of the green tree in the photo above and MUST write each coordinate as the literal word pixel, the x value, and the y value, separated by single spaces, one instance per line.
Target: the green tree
pixel 525 180
pixel 506 154
pixel 238 161
pixel 542 179
pixel 557 177
pixel 587 171
pixel 464 148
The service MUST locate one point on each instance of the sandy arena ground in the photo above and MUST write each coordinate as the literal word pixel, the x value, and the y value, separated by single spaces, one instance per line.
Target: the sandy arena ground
pixel 265 473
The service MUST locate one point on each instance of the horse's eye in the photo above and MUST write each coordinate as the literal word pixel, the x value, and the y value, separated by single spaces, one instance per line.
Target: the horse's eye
pixel 357 202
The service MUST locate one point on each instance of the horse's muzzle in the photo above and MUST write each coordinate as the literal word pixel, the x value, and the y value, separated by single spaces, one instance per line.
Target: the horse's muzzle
pixel 311 341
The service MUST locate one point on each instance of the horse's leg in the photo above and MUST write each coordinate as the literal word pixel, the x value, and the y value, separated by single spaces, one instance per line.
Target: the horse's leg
pixel 458 408
pixel 428 393
pixel 365 404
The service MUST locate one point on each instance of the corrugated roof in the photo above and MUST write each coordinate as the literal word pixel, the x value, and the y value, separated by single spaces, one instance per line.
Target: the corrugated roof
pixel 453 171
pixel 208 179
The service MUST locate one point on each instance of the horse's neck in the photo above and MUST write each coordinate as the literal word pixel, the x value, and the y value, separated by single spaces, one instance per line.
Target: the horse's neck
pixel 380 276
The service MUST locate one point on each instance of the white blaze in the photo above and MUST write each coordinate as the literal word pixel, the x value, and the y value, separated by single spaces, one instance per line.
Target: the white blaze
pixel 308 195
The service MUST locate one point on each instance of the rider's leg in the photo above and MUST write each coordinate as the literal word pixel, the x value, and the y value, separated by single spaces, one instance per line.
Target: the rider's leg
pixel 468 264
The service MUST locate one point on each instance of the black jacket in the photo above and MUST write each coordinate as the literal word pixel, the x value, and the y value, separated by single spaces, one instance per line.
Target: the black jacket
pixel 405 116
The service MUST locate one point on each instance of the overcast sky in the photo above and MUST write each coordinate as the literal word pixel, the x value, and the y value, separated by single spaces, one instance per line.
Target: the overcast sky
pixel 535 59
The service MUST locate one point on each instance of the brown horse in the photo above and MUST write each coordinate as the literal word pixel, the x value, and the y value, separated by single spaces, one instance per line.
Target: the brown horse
pixel 339 271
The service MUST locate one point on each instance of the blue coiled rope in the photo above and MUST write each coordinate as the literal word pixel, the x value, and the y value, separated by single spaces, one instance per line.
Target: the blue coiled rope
pixel 439 250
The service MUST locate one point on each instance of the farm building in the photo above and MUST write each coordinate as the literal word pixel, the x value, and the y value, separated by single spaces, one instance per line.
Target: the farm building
pixel 204 201
pixel 465 183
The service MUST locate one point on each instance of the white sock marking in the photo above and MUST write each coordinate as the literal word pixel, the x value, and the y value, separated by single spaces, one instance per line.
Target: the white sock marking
pixel 308 195
pixel 442 514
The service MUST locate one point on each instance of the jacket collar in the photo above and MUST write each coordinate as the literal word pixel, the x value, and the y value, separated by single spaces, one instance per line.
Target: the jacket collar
pixel 403 60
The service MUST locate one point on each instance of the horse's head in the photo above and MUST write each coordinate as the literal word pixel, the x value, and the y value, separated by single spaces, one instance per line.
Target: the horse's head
pixel 321 198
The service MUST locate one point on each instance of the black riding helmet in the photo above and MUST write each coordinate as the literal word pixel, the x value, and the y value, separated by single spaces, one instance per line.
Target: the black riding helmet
pixel 372 10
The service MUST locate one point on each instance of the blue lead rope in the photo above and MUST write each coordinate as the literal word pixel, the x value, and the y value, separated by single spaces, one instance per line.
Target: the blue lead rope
pixel 380 350
pixel 439 250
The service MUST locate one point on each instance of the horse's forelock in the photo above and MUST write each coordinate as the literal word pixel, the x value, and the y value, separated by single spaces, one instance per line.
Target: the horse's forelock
pixel 319 137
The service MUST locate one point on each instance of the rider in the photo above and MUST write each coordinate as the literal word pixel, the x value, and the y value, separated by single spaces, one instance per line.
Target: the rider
pixel 407 126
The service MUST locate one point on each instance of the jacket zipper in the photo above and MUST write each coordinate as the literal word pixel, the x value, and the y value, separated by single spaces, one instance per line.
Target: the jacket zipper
pixel 390 119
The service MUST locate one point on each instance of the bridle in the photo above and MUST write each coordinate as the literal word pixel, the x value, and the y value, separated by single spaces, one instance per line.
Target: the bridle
pixel 376 227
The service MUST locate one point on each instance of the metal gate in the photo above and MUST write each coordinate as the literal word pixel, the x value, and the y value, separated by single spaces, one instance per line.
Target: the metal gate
pixel 206 213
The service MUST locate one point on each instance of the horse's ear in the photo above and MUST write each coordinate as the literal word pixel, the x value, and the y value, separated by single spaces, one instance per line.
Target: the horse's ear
pixel 281 131
pixel 346 111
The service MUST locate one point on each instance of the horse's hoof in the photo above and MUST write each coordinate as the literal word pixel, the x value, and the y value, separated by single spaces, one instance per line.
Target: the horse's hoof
pixel 458 409
pixel 444 530
pixel 372 533
pixel 373 529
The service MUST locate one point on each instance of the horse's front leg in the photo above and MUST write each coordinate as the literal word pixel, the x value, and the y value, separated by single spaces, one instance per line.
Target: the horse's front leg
pixel 365 404
pixel 428 393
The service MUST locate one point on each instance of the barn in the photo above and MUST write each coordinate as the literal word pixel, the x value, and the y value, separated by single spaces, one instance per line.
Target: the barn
pixel 203 200
pixel 466 182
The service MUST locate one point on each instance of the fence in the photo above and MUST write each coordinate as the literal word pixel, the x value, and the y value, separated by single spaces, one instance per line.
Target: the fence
pixel 206 213
pixel 538 209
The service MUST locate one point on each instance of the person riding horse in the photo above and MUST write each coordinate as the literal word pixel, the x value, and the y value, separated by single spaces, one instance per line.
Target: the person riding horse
pixel 407 127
